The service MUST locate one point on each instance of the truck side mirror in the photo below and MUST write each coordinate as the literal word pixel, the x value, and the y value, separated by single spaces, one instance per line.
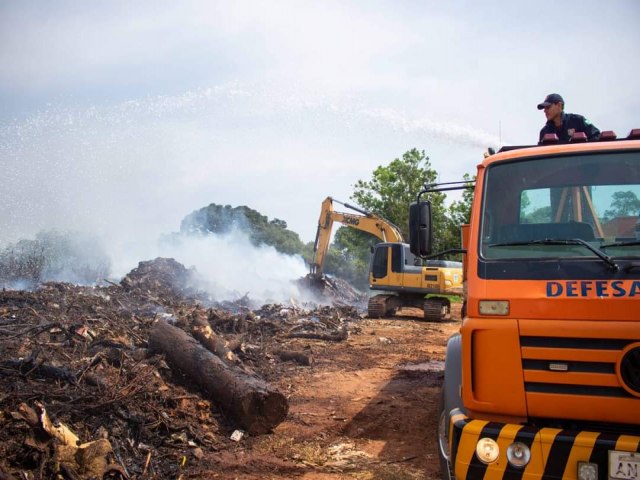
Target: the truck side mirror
pixel 420 230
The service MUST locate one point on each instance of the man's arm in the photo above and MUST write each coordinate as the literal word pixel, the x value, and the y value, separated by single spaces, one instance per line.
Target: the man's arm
pixel 542 132
pixel 590 130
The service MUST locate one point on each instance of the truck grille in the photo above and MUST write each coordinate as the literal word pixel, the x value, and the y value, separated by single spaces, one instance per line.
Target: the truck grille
pixel 581 366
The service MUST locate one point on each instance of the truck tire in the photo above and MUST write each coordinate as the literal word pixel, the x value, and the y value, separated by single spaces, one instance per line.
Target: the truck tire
pixel 449 399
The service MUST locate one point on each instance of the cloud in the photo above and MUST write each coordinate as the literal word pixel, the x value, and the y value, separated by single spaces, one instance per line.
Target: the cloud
pixel 76 45
pixel 129 115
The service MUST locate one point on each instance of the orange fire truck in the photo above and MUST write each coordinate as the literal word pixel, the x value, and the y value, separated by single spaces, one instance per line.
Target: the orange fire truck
pixel 543 379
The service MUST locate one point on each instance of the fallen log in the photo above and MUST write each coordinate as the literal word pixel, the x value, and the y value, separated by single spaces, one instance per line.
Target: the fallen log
pixel 38 370
pixel 335 336
pixel 249 400
pixel 212 342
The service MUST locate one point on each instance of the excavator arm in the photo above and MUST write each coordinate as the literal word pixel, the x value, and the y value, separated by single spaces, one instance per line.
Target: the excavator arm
pixel 363 220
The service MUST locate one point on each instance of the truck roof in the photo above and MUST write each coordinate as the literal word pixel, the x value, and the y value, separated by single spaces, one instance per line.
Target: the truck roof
pixel 512 152
pixel 579 137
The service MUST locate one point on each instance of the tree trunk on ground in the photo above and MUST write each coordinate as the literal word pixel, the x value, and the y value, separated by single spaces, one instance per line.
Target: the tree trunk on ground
pixel 335 336
pixel 249 400
pixel 212 342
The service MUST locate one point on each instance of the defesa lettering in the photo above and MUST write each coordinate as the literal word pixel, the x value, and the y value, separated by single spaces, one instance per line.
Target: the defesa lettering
pixel 589 288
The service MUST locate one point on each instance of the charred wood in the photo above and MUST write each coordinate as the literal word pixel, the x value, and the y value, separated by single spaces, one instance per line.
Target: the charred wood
pixel 212 342
pixel 336 336
pixel 249 400
pixel 29 368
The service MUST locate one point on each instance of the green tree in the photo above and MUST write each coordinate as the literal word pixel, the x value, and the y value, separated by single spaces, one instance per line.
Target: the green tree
pixel 459 214
pixel 261 231
pixel 389 193
pixel 350 254
pixel 539 215
pixel 393 188
pixel 624 204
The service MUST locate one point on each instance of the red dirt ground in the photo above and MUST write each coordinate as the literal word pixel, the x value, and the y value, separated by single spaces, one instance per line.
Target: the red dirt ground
pixel 367 409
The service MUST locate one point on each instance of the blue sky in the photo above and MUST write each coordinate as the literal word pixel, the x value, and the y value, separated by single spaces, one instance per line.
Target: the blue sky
pixel 122 117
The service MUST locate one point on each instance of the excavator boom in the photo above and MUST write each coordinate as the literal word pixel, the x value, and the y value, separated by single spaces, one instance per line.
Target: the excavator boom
pixel 363 220
pixel 401 279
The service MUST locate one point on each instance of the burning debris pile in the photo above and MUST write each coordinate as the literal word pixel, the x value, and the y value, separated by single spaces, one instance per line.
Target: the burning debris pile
pixel 131 380
pixel 164 277
pixel 334 290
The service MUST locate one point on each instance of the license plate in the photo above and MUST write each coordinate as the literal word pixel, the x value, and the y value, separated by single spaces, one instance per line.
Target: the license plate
pixel 624 465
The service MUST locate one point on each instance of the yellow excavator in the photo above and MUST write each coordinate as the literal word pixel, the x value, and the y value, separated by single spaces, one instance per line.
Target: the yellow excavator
pixel 401 278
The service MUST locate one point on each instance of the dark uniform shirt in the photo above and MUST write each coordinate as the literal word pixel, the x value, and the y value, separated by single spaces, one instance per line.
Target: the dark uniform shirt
pixel 571 122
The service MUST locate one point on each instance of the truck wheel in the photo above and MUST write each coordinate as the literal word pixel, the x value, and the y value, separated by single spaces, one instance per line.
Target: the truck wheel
pixel 449 399
pixel 443 441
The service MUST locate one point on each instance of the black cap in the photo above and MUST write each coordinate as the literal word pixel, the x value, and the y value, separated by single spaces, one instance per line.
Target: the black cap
pixel 551 98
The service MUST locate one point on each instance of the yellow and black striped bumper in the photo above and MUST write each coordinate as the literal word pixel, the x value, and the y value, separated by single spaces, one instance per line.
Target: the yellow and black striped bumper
pixel 554 453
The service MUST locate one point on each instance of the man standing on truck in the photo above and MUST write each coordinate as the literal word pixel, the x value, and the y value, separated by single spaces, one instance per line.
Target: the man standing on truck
pixel 564 125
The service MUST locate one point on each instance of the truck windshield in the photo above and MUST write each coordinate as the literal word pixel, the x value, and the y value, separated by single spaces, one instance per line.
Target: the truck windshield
pixel 549 207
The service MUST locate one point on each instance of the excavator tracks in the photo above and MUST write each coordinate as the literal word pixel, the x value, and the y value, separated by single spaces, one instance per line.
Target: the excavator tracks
pixel 436 309
pixel 377 307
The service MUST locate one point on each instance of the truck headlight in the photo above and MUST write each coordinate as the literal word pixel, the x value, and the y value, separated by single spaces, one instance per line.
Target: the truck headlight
pixel 518 454
pixel 487 450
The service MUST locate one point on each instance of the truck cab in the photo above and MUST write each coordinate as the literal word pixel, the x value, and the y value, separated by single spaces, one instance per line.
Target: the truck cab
pixel 543 380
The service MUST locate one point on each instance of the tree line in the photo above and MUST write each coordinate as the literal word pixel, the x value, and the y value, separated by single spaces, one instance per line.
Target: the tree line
pixel 388 193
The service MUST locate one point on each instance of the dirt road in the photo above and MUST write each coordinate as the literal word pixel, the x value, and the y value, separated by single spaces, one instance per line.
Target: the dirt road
pixel 366 409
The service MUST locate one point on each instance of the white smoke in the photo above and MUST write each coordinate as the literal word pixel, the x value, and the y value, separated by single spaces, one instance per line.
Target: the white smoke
pixel 229 265
pixel 130 172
